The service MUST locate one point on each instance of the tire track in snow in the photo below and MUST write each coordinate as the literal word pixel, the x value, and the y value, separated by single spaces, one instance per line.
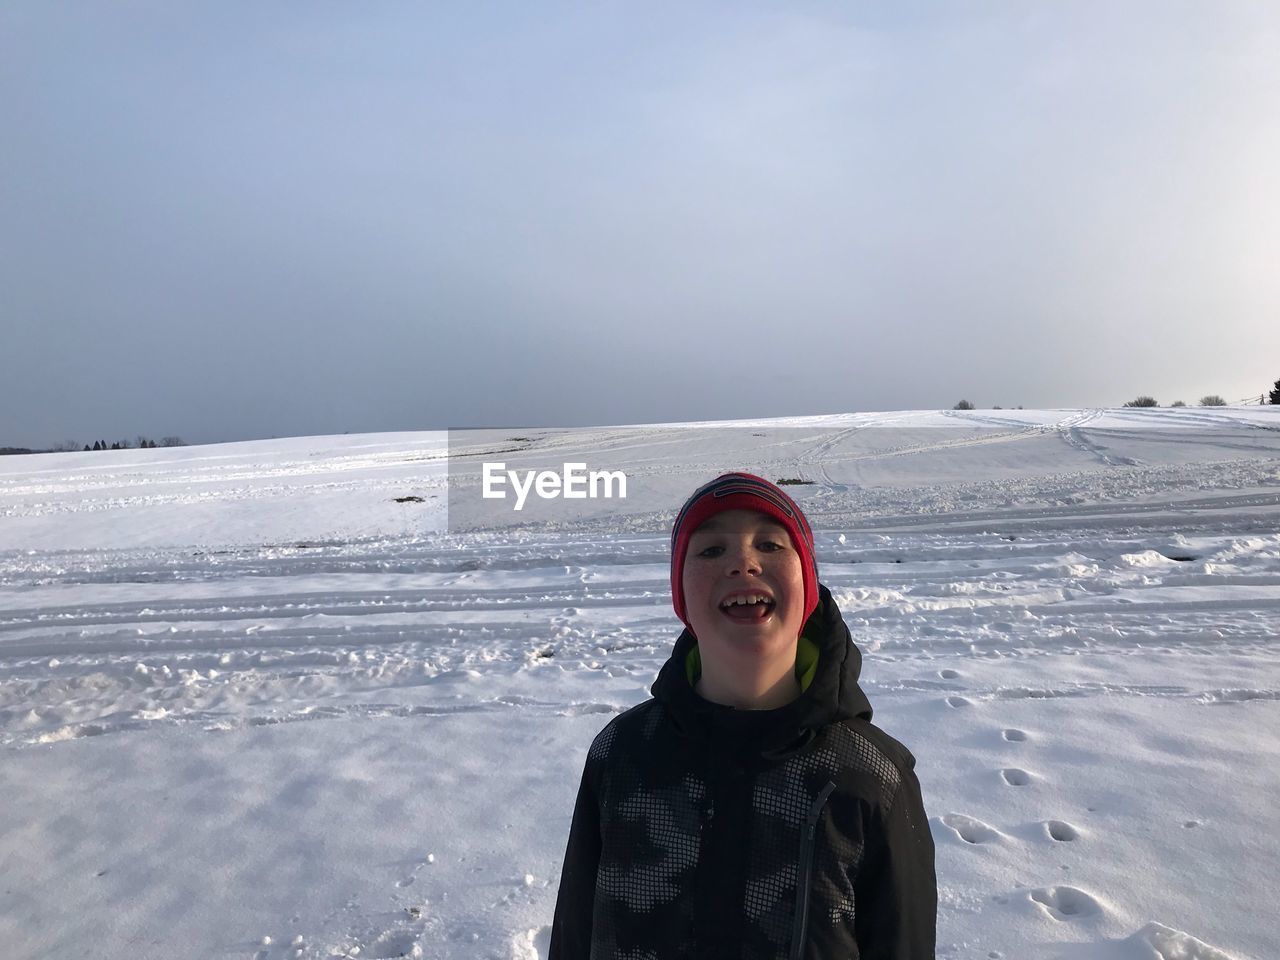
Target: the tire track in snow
pixel 1071 430
pixel 374 603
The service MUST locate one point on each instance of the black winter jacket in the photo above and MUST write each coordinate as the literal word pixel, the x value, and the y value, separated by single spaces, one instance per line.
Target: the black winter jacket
pixel 705 832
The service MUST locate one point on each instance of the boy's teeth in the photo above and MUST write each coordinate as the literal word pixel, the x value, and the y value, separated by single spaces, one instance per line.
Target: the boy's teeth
pixel 754 598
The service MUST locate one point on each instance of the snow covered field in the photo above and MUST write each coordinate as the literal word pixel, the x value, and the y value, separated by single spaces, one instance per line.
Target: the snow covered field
pixel 251 706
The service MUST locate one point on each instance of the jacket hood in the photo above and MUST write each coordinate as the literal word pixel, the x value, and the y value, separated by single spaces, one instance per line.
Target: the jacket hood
pixel 831 696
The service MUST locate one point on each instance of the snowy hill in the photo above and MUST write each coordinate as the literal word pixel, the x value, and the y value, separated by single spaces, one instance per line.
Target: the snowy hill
pixel 318 698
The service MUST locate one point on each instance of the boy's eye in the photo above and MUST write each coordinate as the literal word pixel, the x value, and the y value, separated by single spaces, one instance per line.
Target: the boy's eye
pixel 715 550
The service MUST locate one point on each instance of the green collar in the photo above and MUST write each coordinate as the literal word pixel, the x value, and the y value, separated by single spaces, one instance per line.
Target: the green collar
pixel 806 663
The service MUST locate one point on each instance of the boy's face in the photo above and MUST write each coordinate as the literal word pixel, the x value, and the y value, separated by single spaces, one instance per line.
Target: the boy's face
pixel 738 555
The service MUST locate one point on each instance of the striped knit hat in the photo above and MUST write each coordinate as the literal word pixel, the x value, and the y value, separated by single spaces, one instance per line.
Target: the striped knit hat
pixel 741 491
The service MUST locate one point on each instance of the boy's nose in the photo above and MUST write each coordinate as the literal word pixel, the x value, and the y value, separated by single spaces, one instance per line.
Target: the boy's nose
pixel 743 560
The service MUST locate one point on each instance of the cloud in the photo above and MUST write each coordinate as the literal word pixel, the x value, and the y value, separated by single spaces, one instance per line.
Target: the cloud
pixel 429 217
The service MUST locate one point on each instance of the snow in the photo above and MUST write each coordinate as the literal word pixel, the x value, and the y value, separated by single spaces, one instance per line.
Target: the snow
pixel 252 706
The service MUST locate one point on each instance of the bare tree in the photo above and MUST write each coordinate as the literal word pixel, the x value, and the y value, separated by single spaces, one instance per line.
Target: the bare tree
pixel 172 442
pixel 1212 400
pixel 1142 401
pixel 963 405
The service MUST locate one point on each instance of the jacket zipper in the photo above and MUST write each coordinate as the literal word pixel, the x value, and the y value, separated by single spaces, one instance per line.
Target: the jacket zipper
pixel 804 878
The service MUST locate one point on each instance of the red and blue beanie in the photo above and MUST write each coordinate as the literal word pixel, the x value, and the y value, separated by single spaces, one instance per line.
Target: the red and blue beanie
pixel 741 491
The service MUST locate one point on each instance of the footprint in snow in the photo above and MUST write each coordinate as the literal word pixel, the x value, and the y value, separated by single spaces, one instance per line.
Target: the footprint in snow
pixel 1170 944
pixel 408 881
pixel 1061 831
pixel 1015 777
pixel 1066 903
pixel 970 829
pixel 949 674
pixel 394 943
pixel 958 702
pixel 1014 735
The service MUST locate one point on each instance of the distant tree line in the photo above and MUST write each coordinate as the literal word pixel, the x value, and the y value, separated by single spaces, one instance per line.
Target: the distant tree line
pixel 966 405
pixel 1211 400
pixel 144 443
pixel 1142 400
pixel 65 446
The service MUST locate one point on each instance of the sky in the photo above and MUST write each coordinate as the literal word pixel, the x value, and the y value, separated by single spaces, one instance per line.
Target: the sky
pixel 242 219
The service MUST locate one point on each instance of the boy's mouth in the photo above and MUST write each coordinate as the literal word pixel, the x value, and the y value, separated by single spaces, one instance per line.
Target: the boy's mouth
pixel 747 607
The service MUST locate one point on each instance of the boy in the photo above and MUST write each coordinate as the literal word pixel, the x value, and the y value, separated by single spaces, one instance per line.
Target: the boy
pixel 750 810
